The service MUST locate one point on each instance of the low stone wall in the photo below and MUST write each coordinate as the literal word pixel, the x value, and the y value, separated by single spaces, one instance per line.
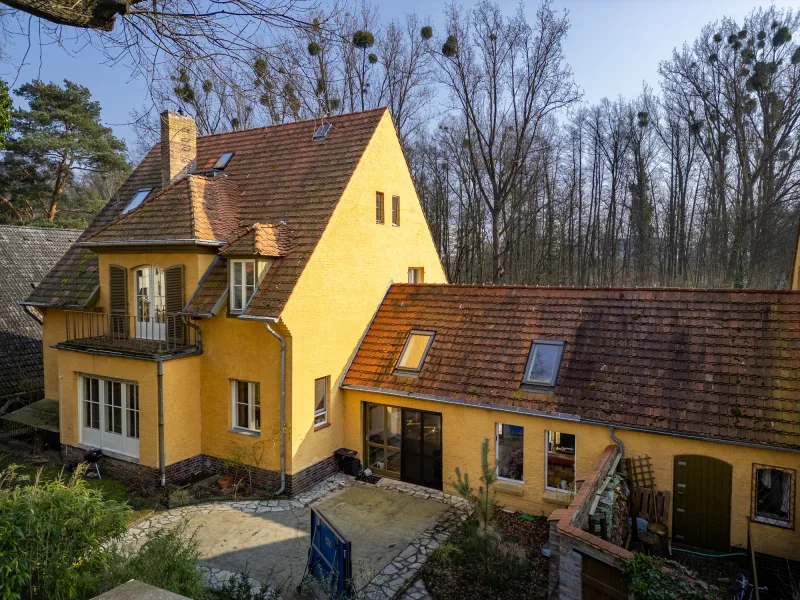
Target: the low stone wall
pixel 136 475
pixel 569 543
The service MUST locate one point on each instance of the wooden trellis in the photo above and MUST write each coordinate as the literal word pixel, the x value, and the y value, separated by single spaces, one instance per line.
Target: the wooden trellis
pixel 640 472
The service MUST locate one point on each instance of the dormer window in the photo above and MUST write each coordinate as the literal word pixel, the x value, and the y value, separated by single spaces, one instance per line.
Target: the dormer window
pixel 543 363
pixel 242 283
pixel 223 161
pixel 139 197
pixel 414 352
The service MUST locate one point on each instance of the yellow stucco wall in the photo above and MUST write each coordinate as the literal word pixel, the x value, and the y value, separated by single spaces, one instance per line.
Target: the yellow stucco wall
pixel 463 429
pixel 343 283
pixel 182 408
pixel 72 364
pixel 53 332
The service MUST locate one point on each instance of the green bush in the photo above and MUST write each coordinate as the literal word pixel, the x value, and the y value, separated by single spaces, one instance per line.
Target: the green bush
pixel 648 579
pixel 167 560
pixel 51 535
pixel 179 498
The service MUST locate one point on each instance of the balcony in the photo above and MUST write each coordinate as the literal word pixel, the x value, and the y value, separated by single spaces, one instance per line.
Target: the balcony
pixel 159 337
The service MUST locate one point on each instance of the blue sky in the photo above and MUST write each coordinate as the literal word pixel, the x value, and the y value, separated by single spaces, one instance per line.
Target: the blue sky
pixel 613 46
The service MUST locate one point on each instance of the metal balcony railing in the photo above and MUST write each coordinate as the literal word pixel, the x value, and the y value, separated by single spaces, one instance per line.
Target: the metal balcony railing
pixel 129 334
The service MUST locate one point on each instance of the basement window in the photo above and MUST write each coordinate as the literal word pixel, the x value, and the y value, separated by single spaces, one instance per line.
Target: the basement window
pixel 544 362
pixel 414 352
pixel 773 496
pixel 139 197
pixel 223 161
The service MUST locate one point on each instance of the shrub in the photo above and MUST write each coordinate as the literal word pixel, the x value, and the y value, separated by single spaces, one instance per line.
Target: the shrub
pixel 649 580
pixel 179 498
pixel 51 536
pixel 167 560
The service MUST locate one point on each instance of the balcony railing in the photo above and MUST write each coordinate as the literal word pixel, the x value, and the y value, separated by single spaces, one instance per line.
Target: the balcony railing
pixel 163 334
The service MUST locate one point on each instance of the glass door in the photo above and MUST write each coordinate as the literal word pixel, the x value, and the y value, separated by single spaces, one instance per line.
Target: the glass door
pixel 383 439
pixel 150 303
pixel 422 448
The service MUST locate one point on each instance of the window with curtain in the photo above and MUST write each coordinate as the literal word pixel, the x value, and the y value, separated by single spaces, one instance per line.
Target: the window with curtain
pixel 773 495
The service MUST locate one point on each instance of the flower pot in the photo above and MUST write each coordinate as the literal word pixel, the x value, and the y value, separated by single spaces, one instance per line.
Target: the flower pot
pixel 225 481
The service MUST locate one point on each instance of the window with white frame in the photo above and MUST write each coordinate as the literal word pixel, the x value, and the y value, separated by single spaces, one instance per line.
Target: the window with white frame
pixel 396 211
pixel 379 207
pixel 110 414
pixel 416 275
pixel 510 452
pixel 560 461
pixel 321 401
pixel 773 495
pixel 242 283
pixel 246 405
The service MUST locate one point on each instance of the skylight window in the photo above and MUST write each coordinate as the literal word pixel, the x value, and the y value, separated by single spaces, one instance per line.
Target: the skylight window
pixel 543 363
pixel 223 161
pixel 322 132
pixel 415 351
pixel 139 197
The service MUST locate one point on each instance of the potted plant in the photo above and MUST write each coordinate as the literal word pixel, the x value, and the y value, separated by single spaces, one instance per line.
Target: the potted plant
pixel 225 481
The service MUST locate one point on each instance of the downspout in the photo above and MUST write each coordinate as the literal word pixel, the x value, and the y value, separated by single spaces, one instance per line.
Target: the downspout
pixel 617 441
pixel 162 461
pixel 283 407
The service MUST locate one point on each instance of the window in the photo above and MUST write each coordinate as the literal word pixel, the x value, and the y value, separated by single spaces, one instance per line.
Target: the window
pixel 243 283
pixel 395 210
pixel 773 496
pixel 246 405
pixel 415 350
pixel 384 425
pixel 139 197
pixel 379 207
pixel 416 275
pixel 223 161
pixel 509 451
pixel 543 363
pixel 151 303
pixel 322 132
pixel 560 465
pixel 91 403
pixel 110 416
pixel 321 401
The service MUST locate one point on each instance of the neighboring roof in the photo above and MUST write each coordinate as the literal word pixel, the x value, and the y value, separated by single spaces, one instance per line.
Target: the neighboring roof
pixel 709 364
pixel 194 209
pixel 42 414
pixel 281 174
pixel 260 240
pixel 26 255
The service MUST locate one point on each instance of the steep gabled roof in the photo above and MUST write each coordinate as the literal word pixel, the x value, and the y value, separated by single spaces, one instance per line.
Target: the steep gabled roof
pixel 710 364
pixel 280 174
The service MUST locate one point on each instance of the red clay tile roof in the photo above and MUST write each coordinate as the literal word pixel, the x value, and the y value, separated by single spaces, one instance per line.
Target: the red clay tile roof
pixel 193 208
pixel 260 240
pixel 710 364
pixel 282 175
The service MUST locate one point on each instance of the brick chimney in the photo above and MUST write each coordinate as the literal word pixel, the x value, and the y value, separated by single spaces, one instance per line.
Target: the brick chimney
pixel 178 146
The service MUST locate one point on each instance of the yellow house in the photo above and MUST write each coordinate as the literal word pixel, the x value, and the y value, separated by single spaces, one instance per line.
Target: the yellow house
pixel 703 385
pixel 210 310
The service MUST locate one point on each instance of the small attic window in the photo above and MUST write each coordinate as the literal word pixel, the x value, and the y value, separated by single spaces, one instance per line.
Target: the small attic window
pixel 223 161
pixel 543 363
pixel 414 352
pixel 322 132
pixel 139 197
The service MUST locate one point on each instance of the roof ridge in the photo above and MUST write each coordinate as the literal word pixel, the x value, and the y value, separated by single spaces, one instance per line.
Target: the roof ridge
pixel 490 286
pixel 300 122
pixel 42 229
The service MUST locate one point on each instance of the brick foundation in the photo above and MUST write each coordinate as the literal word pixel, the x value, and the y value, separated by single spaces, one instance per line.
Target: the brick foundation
pixel 133 474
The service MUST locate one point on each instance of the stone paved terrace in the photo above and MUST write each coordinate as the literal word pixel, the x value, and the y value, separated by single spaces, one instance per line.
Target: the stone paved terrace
pixel 272 537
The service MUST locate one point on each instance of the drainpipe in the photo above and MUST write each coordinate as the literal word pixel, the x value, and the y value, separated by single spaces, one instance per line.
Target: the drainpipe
pixel 617 441
pixel 283 407
pixel 162 461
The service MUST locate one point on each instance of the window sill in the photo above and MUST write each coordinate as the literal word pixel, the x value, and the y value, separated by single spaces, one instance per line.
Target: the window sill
pixel 559 496
pixel 510 487
pixel 247 432
pixel 774 522
pixel 322 425
pixel 395 225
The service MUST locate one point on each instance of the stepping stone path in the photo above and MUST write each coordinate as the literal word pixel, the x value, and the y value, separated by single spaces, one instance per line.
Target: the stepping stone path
pixel 398 579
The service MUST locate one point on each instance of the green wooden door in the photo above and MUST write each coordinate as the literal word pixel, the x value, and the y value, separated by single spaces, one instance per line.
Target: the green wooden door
pixel 701 515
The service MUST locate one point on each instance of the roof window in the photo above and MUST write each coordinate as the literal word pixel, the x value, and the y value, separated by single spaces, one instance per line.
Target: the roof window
pixel 223 161
pixel 139 197
pixel 415 351
pixel 543 363
pixel 322 132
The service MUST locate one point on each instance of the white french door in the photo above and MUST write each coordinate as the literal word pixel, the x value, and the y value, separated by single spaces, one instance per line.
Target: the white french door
pixel 109 414
pixel 150 303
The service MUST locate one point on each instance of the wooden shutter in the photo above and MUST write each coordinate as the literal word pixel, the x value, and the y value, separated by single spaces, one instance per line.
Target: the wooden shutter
pixel 395 210
pixel 173 282
pixel 118 300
